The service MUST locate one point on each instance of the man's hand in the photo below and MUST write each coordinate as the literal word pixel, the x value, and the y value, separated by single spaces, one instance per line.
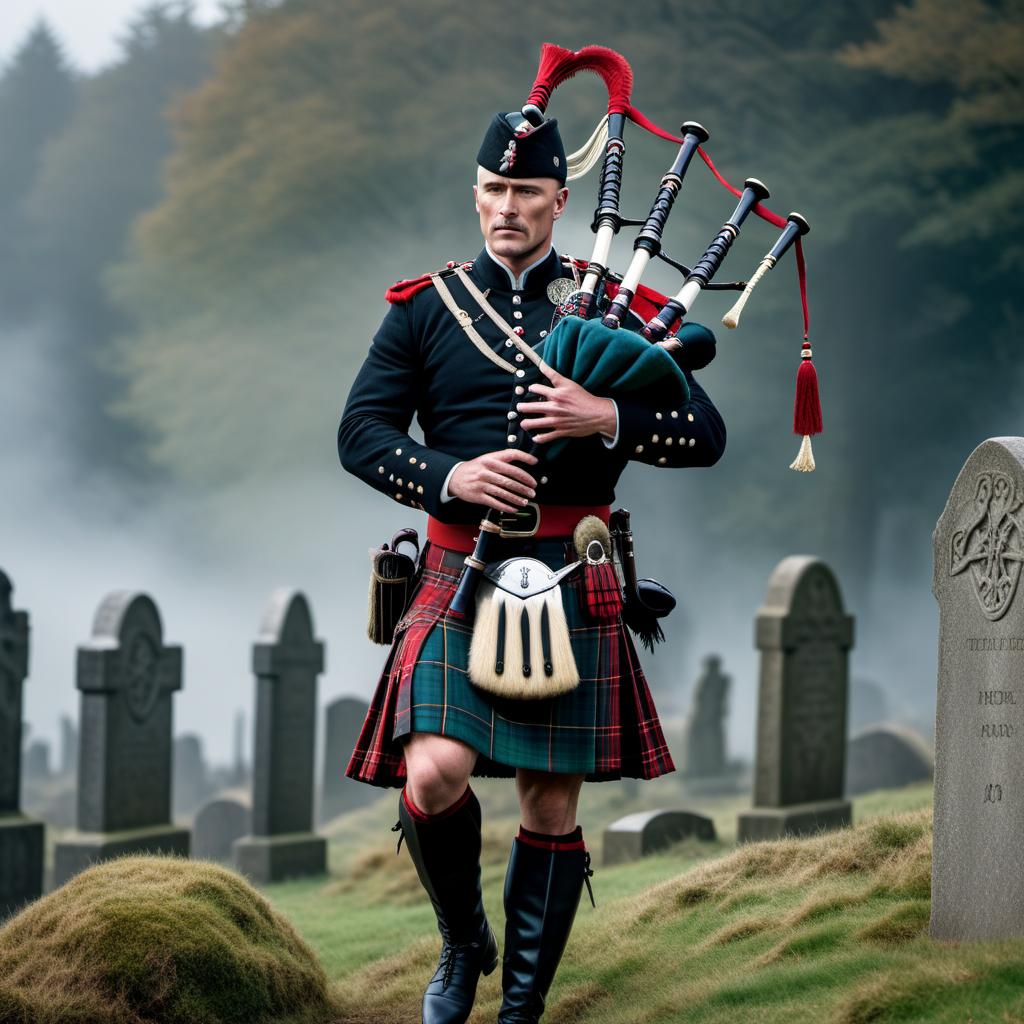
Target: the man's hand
pixel 493 479
pixel 569 410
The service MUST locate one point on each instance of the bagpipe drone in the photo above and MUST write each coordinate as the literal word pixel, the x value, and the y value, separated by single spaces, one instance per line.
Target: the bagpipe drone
pixel 587 343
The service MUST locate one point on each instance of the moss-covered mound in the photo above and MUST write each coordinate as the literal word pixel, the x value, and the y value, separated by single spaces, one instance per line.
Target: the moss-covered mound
pixel 142 940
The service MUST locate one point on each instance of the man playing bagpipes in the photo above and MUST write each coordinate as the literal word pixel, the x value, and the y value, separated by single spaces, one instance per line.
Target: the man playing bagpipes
pixel 511 657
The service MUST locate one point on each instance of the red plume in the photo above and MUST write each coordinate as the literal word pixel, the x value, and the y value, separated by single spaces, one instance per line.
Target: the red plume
pixel 558 64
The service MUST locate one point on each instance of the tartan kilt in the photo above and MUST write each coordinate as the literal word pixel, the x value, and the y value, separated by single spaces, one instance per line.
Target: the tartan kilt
pixel 606 728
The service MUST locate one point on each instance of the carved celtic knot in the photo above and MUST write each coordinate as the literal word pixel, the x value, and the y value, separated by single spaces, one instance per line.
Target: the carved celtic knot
pixel 990 545
pixel 143 687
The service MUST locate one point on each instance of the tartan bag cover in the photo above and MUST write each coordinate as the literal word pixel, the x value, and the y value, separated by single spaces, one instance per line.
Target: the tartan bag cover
pixel 606 728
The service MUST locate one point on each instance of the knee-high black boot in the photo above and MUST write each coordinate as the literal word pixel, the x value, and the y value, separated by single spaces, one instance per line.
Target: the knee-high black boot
pixel 542 891
pixel 445 848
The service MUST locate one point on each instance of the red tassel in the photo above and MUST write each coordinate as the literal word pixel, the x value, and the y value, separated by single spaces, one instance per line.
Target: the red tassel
pixel 807 407
pixel 603 593
pixel 557 64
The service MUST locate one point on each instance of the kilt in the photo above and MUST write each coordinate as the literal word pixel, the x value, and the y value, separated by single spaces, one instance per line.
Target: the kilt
pixel 606 728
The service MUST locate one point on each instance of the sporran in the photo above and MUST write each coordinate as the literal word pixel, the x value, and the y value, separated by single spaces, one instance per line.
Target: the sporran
pixel 520 646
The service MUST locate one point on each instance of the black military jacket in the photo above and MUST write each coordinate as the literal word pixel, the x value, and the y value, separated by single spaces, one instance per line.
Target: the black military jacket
pixel 421 362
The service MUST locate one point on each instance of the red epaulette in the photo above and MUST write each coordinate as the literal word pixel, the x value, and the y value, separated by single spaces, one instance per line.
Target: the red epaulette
pixel 403 291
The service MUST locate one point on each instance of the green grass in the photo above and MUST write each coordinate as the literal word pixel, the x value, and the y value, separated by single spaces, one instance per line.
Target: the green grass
pixel 825 929
pixel 831 928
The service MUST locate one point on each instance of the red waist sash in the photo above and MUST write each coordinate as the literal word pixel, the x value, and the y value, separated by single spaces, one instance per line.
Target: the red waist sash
pixel 555 521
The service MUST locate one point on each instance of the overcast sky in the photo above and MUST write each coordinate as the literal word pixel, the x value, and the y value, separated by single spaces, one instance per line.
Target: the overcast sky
pixel 88 31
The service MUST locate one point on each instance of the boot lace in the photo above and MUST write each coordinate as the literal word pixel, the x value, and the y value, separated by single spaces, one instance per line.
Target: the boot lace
pixel 450 953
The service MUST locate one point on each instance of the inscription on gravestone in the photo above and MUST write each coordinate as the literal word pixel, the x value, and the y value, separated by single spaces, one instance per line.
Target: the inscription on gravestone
pixel 126 676
pixel 21 838
pixel 804 637
pixel 286 660
pixel 977 884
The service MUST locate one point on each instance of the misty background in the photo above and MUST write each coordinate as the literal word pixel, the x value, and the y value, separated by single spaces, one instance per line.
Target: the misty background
pixel 202 205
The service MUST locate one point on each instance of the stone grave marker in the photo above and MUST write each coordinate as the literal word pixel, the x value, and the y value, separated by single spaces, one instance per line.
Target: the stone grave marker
pixel 35 767
pixel 286 660
pixel 21 838
pixel 705 727
pixel 190 784
pixel 126 675
pixel 804 637
pixel 219 822
pixel 68 746
pixel 885 756
pixel 342 721
pixel 646 832
pixel 977 881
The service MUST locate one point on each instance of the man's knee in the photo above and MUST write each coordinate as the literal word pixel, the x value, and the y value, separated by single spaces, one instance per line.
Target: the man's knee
pixel 438 770
pixel 547 801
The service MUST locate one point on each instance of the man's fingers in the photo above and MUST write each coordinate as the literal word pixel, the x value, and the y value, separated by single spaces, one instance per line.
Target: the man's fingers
pixel 514 455
pixel 541 389
pixel 509 502
pixel 524 486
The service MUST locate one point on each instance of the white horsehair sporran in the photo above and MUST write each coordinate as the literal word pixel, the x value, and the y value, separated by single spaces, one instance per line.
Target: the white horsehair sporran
pixel 520 645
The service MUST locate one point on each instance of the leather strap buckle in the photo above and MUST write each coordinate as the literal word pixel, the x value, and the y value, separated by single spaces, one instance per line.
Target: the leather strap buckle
pixel 524 522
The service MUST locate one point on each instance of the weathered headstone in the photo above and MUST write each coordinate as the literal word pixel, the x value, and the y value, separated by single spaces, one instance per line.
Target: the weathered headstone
pixel 218 823
pixel 342 721
pixel 68 746
pixel 886 756
pixel 705 727
pixel 35 766
pixel 286 660
pixel 190 785
pixel 867 705
pixel 977 882
pixel 804 637
pixel 647 832
pixel 21 838
pixel 126 676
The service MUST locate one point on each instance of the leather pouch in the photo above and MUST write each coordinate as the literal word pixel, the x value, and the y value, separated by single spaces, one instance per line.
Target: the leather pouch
pixel 392 580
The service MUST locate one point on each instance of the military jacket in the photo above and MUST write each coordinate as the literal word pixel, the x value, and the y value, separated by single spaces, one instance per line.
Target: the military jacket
pixel 422 364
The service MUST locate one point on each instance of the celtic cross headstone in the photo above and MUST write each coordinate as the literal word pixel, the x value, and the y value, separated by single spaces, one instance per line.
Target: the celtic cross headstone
pixel 804 637
pixel 977 883
pixel 21 838
pixel 286 660
pixel 126 675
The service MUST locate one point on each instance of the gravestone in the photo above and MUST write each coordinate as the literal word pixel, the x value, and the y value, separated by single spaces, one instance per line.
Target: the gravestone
pixel 886 756
pixel 286 660
pixel 705 727
pixel 867 705
pixel 218 823
pixel 804 637
pixel 126 676
pixel 68 746
pixel 342 721
pixel 21 838
pixel 190 785
pixel 977 882
pixel 35 765
pixel 647 832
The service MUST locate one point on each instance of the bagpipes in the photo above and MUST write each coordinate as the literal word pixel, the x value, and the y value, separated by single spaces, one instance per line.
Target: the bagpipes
pixel 586 344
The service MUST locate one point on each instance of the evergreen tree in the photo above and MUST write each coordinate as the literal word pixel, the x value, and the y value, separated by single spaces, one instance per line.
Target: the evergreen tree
pixel 37 94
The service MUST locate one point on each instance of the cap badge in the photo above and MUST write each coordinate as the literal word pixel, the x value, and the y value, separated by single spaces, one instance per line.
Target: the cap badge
pixel 508 158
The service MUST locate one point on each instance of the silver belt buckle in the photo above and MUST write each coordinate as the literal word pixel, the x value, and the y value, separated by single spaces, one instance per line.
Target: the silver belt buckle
pixel 524 522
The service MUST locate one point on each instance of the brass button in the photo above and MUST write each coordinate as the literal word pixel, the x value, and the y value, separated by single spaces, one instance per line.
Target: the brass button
pixel 516 300
pixel 512 415
pixel 412 460
pixel 675 415
pixel 689 416
pixel 520 390
pixel 657 415
pixel 662 461
pixel 511 438
pixel 638 449
pixel 520 373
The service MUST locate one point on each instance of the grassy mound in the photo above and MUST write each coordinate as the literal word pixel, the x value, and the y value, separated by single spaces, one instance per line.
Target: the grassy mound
pixel 831 928
pixel 142 940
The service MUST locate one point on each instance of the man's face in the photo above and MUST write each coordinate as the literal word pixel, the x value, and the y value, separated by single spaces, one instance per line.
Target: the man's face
pixel 517 214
